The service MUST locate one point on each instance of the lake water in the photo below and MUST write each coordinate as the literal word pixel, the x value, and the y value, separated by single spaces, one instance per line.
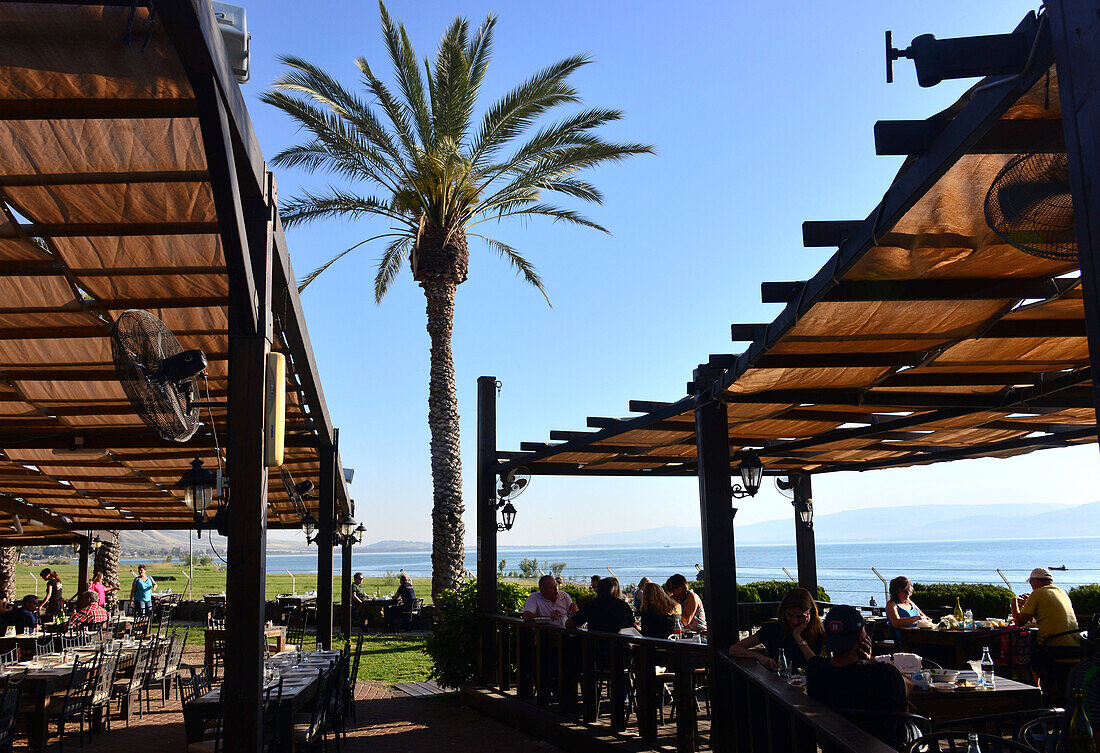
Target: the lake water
pixel 844 570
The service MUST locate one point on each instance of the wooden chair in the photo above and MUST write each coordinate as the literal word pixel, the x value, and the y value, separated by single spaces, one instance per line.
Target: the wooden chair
pixel 217 655
pixel 9 708
pixel 296 630
pixel 957 742
pixel 71 705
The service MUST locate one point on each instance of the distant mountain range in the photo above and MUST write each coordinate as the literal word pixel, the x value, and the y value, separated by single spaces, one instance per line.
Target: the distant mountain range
pixel 910 523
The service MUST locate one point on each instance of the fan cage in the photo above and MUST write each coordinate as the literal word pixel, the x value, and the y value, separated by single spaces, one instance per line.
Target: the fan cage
pixel 1030 206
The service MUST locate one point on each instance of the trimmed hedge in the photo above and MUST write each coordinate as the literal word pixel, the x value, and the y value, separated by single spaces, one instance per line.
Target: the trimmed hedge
pixel 453 645
pixel 1085 599
pixel 745 592
pixel 775 590
pixel 984 599
pixel 579 594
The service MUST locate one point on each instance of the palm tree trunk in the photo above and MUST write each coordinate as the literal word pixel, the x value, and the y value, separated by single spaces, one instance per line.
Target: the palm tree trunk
pixel 106 562
pixel 448 550
pixel 9 560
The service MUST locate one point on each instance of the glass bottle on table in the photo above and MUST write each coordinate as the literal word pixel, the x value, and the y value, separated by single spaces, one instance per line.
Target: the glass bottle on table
pixel 972 743
pixel 958 614
pixel 784 665
pixel 968 620
pixel 1080 731
pixel 987 670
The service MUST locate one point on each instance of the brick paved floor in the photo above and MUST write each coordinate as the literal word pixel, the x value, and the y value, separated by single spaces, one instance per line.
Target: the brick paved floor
pixel 387 722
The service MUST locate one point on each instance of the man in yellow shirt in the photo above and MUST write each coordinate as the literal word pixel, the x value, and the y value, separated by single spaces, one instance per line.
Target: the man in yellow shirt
pixel 1052 612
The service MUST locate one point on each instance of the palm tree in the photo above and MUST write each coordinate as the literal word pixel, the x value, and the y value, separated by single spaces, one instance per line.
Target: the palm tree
pixel 9 560
pixel 106 562
pixel 435 175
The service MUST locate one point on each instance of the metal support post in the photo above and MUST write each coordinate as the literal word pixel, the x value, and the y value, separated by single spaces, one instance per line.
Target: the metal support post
pixel 486 521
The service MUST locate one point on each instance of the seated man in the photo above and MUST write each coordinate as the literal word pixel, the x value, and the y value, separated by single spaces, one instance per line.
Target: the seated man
pixel 23 617
pixel 90 614
pixel 358 601
pixel 849 681
pixel 1049 607
pixel 405 598
pixel 548 601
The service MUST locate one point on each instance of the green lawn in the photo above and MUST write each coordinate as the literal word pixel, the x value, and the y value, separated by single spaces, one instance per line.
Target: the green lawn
pixel 208 580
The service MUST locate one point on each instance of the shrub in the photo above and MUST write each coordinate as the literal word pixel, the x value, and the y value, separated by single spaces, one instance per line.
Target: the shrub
pixel 745 592
pixel 984 599
pixel 775 590
pixel 1085 599
pixel 453 645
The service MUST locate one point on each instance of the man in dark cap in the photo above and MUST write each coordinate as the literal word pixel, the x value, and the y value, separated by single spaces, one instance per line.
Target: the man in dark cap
pixel 849 680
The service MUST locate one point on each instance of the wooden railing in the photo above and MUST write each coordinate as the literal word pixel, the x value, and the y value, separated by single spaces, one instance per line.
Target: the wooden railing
pixel 588 674
pixel 774 717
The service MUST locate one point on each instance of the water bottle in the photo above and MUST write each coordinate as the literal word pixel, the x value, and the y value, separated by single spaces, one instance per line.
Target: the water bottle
pixel 968 619
pixel 972 743
pixel 784 665
pixel 987 670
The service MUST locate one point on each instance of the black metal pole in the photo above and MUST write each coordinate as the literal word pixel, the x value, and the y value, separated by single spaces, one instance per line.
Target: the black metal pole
pixel 1075 34
pixel 804 545
pixel 716 520
pixel 345 588
pixel 486 520
pixel 326 499
pixel 82 565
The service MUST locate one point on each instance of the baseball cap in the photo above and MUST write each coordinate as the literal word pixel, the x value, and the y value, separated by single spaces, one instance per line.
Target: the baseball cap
pixel 842 626
pixel 1041 573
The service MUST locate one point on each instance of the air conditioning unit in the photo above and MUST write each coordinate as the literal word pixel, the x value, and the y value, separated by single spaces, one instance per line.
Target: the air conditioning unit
pixel 235 35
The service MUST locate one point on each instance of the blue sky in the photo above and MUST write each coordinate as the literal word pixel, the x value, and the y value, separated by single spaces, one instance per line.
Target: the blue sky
pixel 762 116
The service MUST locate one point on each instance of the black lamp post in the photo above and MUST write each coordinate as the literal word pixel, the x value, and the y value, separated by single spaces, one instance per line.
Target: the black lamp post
pixel 752 471
pixel 309 526
pixel 359 531
pixel 805 510
pixel 508 514
pixel 198 490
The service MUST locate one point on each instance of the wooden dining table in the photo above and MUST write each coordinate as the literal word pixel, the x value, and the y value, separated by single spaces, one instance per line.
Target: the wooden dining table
pixel 300 681
pixel 277 634
pixel 955 647
pixel 1007 696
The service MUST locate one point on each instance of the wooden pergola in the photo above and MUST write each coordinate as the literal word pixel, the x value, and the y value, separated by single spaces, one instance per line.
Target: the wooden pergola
pixel 926 337
pixel 131 178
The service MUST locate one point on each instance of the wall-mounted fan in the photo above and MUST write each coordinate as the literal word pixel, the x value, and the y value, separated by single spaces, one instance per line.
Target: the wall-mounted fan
pixel 513 483
pixel 785 486
pixel 1030 205
pixel 157 374
pixel 298 493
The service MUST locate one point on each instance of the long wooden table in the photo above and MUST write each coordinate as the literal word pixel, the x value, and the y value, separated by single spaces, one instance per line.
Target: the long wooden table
pixel 299 688
pixel 958 645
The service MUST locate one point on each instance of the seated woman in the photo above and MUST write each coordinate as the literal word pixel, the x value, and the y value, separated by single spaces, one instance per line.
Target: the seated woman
pixel 901 610
pixel 798 632
pixel 607 612
pixel 659 613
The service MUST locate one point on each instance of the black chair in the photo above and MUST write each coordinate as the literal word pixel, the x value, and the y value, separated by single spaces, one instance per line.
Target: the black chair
pixel 957 742
pixel 212 744
pixel 273 698
pixel 217 650
pixel 309 729
pixel 9 657
pixel 140 627
pixel 71 705
pixel 296 629
pixel 895 728
pixel 1045 733
pixel 9 707
pixel 337 711
pixel 353 676
pixel 125 689
pixel 97 706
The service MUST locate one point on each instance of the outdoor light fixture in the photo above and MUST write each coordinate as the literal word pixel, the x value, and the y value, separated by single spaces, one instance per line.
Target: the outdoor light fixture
pixel 805 510
pixel 752 471
pixel 359 531
pixel 96 543
pixel 309 525
pixel 347 526
pixel 198 489
pixel 508 513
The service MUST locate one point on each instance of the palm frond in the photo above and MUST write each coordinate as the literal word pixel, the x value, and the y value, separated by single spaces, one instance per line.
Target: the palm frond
pixel 390 265
pixel 407 70
pixel 305 281
pixel 555 213
pixel 521 106
pixel 524 268
pixel 478 53
pixel 453 104
pixel 573 131
pixel 309 206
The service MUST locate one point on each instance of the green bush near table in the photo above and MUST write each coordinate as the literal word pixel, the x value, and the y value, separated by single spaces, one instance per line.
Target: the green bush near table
pixel 745 591
pixel 984 599
pixel 453 646
pixel 1085 600
pixel 775 590
pixel 579 594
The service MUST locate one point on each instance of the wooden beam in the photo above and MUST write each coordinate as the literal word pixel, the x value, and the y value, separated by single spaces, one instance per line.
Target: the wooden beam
pixel 804 543
pixel 961 378
pixel 32 512
pixel 92 178
pixel 748 332
pixel 826 233
pixel 485 508
pixel 647 406
pixel 914 137
pixel 1075 31
pixel 1070 398
pixel 110 229
pixel 1036 328
pixel 95 109
pixel 924 290
pixel 838 360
